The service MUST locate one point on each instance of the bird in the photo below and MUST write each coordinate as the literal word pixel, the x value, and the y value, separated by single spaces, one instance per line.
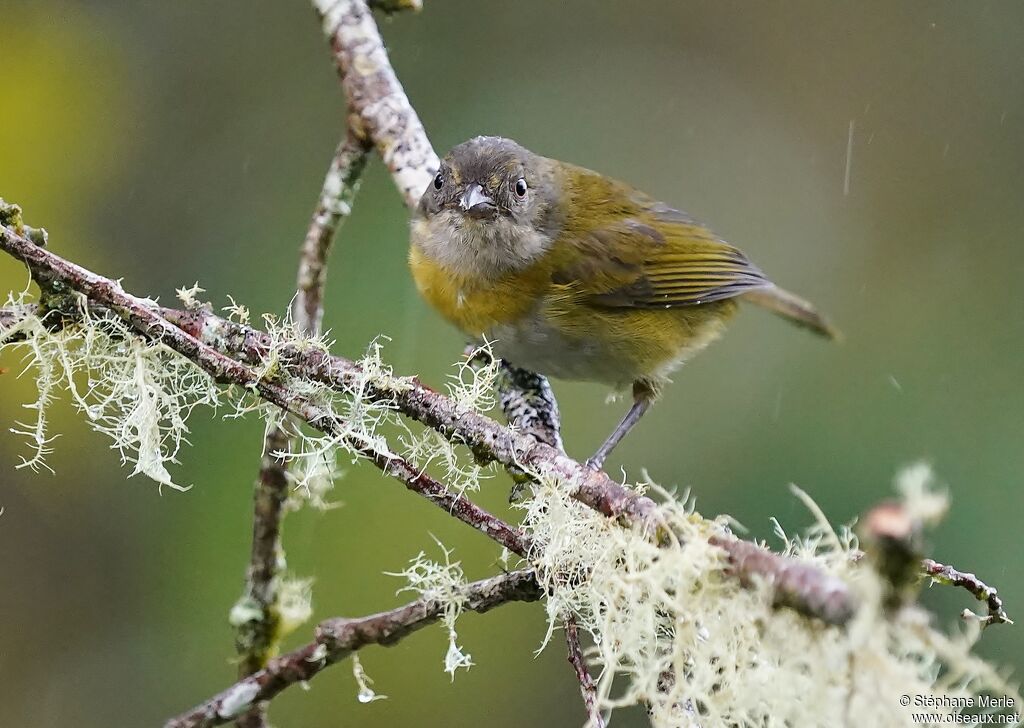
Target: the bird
pixel 575 275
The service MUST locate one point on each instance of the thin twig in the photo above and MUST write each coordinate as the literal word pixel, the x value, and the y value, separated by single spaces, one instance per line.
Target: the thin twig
pixel 338 638
pixel 579 665
pixel 981 591
pixel 258 636
pixel 334 205
pixel 455 504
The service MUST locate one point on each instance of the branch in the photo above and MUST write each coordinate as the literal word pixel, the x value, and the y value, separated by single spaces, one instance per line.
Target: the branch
pixel 338 638
pixel 892 538
pixel 258 637
pixel 796 584
pixel 456 505
pixel 579 665
pixel 257 630
pixel 375 95
pixel 141 316
pixel 980 590
pixel 334 205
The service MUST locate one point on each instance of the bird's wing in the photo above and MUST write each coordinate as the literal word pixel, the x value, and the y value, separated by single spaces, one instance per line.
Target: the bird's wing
pixel 653 256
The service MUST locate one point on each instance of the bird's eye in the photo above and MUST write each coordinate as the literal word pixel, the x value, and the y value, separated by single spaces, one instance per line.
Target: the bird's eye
pixel 438 181
pixel 521 187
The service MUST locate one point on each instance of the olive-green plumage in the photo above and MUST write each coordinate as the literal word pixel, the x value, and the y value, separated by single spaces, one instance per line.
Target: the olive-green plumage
pixel 576 275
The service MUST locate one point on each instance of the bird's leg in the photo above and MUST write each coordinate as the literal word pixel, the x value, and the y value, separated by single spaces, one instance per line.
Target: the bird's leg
pixel 530 406
pixel 643 395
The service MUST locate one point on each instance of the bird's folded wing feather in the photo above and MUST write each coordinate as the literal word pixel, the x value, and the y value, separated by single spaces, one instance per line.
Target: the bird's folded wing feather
pixel 659 258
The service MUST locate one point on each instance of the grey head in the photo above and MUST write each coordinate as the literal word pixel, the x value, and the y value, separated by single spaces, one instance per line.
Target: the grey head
pixel 492 208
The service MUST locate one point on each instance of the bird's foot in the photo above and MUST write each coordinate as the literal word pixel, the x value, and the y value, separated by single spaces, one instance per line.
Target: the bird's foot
pixel 595 463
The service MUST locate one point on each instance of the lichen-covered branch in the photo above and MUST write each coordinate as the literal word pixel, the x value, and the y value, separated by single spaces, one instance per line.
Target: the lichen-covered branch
pixel 574 543
pixel 336 639
pixel 256 616
pixel 455 504
pixel 487 439
pixel 981 591
pixel 376 96
pixel 143 317
pixel 794 584
pixel 802 588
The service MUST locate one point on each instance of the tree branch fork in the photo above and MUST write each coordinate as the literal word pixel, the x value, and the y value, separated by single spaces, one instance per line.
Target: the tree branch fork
pixel 381 116
pixel 232 353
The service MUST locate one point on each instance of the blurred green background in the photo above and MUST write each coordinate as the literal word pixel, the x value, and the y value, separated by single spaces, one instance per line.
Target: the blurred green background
pixel 174 142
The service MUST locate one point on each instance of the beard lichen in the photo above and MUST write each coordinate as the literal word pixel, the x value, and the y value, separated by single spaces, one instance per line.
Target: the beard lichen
pixel 443 583
pixel 361 421
pixel 140 393
pixel 673 631
pixel 472 389
pixel 137 392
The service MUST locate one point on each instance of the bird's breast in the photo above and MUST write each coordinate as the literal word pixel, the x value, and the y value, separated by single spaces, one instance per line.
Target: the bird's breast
pixel 472 303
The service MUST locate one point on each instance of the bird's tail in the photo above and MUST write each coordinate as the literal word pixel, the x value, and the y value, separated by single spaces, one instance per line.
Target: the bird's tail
pixel 794 308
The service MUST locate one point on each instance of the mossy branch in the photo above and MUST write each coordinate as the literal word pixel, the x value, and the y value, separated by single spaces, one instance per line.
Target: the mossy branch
pixel 337 639
pixel 207 340
pixel 257 615
pixel 233 353
pixel 588 539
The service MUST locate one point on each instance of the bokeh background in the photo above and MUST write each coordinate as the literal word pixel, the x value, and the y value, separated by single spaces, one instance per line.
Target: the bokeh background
pixel 174 142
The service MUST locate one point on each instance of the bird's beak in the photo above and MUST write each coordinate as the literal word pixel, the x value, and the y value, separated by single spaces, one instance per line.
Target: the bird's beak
pixel 475 203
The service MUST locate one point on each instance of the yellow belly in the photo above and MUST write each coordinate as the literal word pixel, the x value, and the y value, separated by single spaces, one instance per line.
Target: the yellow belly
pixel 541 326
pixel 476 306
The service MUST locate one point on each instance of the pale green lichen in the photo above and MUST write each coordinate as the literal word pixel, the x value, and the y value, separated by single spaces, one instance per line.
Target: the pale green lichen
pixel 472 388
pixel 189 296
pixel 236 312
pixel 294 604
pixel 673 631
pixel 360 421
pixel 141 393
pixel 245 611
pixel 366 693
pixel 444 583
pixel 137 392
